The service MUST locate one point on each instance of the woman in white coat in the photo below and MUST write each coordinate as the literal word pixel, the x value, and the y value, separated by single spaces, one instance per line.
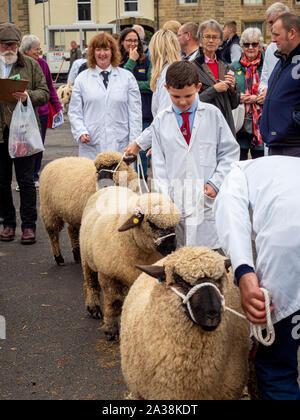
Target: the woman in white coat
pixel 105 110
pixel 164 49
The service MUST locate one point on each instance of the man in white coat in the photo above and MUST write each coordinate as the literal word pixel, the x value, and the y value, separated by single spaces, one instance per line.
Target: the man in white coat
pixel 268 186
pixel 105 110
pixel 192 150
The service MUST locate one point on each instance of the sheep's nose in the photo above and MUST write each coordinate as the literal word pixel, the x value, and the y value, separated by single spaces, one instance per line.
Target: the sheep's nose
pixel 212 314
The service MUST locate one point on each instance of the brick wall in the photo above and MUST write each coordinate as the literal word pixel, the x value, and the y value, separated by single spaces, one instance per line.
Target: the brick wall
pixel 20 15
pixel 221 10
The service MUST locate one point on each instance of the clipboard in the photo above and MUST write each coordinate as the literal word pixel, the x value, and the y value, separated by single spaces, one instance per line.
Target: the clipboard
pixel 9 86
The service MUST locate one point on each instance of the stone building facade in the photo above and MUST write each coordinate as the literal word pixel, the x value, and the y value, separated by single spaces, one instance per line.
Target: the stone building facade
pixel 19 13
pixel 245 12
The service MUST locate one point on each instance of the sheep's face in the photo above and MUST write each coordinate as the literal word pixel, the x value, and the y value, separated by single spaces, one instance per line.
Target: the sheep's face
pixel 112 169
pixel 185 272
pixel 154 221
pixel 205 303
pixel 105 176
pixel 164 238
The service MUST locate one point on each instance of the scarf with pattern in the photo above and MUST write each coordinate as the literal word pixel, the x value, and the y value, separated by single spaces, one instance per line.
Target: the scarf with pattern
pixel 252 80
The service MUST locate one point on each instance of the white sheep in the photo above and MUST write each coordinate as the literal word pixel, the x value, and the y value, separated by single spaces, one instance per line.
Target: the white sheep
pixel 64 93
pixel 120 229
pixel 66 184
pixel 169 352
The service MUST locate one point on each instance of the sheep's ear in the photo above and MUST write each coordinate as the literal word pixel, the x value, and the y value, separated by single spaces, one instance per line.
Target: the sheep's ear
pixel 129 159
pixel 155 271
pixel 227 264
pixel 132 222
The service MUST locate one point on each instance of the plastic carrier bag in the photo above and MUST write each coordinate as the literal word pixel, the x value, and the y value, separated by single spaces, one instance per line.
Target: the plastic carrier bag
pixel 24 134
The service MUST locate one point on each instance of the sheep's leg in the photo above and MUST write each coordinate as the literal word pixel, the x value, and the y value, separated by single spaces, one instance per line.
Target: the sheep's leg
pixel 92 291
pixel 114 294
pixel 73 232
pixel 53 231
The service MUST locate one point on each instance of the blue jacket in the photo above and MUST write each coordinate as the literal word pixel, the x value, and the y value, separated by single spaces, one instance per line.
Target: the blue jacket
pixel 278 124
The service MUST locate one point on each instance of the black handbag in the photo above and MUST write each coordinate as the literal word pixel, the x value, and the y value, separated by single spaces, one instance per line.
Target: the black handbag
pixel 247 131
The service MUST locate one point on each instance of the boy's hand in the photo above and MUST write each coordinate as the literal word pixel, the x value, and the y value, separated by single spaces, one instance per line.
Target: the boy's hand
pixel 132 149
pixel 85 138
pixel 209 191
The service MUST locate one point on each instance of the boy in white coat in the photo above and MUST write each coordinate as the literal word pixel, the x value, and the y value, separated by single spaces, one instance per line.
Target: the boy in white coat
pixel 191 158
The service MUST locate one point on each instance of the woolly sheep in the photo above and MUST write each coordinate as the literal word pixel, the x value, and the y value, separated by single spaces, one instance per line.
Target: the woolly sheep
pixel 64 93
pixel 65 187
pixel 164 353
pixel 120 229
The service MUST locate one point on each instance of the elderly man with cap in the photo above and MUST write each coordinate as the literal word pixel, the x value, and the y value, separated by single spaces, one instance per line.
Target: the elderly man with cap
pixel 13 63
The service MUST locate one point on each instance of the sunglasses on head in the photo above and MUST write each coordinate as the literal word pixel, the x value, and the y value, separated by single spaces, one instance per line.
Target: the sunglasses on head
pixel 247 44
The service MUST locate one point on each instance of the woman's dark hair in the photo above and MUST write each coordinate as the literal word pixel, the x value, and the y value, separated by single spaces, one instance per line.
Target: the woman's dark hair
pixel 181 74
pixel 140 48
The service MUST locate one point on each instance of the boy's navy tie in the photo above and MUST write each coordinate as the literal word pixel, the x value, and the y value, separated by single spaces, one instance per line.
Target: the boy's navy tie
pixel 185 128
pixel 105 78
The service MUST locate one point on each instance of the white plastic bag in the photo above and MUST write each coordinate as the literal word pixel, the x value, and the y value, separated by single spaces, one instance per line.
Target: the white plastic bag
pixel 24 134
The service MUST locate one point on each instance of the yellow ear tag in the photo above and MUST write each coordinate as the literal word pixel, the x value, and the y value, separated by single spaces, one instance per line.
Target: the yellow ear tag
pixel 135 221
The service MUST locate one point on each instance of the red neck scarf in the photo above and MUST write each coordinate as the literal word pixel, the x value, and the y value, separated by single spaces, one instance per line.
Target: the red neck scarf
pixel 252 80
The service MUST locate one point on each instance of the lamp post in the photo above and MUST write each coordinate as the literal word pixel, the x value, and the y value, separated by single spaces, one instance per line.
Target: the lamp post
pixel 9 10
pixel 118 26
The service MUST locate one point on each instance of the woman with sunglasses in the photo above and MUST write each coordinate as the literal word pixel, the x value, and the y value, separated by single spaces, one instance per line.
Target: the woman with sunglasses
pixel 248 73
pixel 138 63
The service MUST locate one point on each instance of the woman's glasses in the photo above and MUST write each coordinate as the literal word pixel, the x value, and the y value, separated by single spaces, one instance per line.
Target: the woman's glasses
pixel 213 37
pixel 132 41
pixel 253 44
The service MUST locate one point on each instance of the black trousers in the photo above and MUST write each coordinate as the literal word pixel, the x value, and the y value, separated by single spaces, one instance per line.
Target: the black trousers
pixel 254 153
pixel 284 151
pixel 24 168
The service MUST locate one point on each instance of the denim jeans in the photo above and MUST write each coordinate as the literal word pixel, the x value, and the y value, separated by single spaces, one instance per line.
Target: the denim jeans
pixel 277 365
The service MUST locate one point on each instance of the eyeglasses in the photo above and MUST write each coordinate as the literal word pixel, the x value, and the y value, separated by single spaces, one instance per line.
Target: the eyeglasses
pixel 183 33
pixel 253 44
pixel 132 41
pixel 212 37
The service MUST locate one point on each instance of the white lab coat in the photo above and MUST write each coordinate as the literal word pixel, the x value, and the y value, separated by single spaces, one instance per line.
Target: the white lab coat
pixel 160 101
pixel 270 62
pixel 112 117
pixel 269 186
pixel 181 171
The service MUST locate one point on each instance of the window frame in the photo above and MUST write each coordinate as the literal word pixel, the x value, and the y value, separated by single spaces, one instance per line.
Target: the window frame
pixel 192 3
pixel 90 2
pixel 244 3
pixel 132 11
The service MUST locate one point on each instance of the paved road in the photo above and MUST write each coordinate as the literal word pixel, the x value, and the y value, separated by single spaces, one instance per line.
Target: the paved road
pixel 52 350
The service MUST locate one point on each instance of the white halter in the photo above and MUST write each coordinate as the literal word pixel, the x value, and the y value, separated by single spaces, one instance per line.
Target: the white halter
pixel 256 329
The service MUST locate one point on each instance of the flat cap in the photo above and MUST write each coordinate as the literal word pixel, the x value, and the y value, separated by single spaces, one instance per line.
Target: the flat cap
pixel 9 32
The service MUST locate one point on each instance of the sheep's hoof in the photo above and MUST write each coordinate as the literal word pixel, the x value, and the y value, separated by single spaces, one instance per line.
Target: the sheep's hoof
pixel 76 255
pixel 111 333
pixel 111 336
pixel 59 260
pixel 95 312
